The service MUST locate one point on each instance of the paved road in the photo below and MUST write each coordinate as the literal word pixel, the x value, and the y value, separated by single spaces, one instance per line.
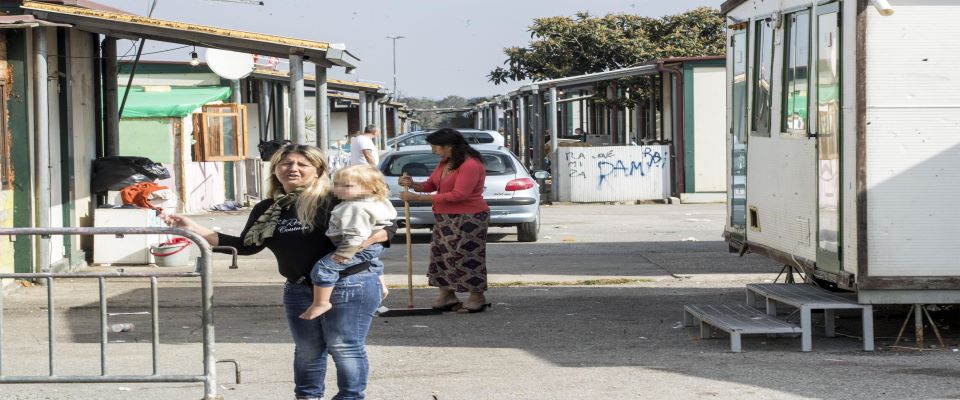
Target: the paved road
pixel 538 342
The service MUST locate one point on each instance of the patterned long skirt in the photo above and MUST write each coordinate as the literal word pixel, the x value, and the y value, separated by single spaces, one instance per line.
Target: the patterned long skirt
pixel 458 253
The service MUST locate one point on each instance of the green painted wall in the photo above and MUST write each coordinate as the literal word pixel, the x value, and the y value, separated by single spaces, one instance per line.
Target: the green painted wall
pixel 689 166
pixel 151 138
pixel 20 147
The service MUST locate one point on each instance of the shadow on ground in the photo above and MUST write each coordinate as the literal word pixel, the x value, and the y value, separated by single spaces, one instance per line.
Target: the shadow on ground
pixel 569 327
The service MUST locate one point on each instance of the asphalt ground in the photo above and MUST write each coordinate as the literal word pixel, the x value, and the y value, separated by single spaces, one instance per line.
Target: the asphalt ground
pixel 593 310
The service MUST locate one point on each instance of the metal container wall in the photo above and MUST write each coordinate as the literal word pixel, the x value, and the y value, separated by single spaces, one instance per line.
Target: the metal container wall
pixel 612 173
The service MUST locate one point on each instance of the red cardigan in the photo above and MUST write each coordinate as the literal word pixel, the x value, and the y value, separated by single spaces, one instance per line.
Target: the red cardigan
pixel 461 191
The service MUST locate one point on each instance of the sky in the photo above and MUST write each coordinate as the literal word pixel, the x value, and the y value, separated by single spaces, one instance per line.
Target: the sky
pixel 449 47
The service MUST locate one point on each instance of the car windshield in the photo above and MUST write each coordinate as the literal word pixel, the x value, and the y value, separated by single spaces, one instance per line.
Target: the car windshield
pixel 423 164
pixel 478 137
pixel 421 139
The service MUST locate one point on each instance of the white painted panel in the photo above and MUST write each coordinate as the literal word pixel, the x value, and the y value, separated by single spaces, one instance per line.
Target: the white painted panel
pixel 338 127
pixel 205 186
pixel 913 149
pixel 781 184
pixel 129 249
pixel 709 135
pixel 621 173
pixel 203 181
pixel 54 174
pixel 913 184
pixel 84 128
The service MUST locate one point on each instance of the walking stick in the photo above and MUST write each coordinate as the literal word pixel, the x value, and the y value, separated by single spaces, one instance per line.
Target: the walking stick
pixel 410 309
pixel 406 214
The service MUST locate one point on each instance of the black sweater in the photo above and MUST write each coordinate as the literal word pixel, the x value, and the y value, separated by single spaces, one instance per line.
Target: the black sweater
pixel 296 249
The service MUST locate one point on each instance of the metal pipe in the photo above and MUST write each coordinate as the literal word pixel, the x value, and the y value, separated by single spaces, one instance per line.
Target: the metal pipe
pixel 42 144
pixel 383 125
pixel 155 328
pixel 298 125
pixel 51 327
pixel 323 108
pixel 396 122
pixel 111 117
pixel 282 121
pixel 232 250
pixel 106 379
pixel 522 137
pixel 239 168
pixel 536 117
pixel 363 110
pixel 103 325
pixel 206 288
pixel 677 115
pixel 553 142
pixel 264 108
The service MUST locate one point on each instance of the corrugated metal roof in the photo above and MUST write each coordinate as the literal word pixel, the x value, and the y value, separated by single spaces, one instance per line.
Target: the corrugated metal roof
pixel 284 75
pixel 647 68
pixel 24 21
pixel 729 5
pixel 126 25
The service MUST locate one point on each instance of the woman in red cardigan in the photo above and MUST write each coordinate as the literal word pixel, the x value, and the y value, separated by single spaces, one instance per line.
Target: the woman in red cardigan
pixel 458 252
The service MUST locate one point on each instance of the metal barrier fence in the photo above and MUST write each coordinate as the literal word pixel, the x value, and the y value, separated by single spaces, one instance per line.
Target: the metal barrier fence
pixel 203 270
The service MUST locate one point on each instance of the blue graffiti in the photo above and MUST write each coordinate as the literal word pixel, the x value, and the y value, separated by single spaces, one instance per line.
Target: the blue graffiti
pixel 609 169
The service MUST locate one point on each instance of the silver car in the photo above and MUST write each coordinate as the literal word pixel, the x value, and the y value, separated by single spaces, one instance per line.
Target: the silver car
pixel 511 192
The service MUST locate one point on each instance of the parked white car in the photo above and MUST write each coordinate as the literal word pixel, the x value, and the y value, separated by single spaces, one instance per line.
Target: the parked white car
pixel 511 192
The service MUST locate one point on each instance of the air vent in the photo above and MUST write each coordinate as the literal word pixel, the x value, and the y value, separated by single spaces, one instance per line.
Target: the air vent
pixel 754 219
pixel 803 231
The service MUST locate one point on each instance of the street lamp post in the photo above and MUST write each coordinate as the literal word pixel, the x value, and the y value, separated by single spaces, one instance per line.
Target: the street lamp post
pixel 394 39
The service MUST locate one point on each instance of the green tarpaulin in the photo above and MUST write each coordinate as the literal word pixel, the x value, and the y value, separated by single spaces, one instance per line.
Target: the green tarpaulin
pixel 177 102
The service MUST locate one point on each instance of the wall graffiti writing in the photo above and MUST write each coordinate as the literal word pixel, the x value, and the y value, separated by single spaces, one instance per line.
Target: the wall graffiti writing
pixel 613 173
pixel 650 160
pixel 608 166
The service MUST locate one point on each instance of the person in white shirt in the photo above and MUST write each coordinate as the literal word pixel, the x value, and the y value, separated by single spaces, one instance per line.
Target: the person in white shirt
pixel 362 149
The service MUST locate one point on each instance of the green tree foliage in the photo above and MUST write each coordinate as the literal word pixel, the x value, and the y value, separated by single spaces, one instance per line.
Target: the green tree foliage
pixel 430 119
pixel 570 46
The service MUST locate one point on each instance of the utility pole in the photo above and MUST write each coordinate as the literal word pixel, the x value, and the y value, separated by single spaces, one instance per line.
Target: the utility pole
pixel 394 39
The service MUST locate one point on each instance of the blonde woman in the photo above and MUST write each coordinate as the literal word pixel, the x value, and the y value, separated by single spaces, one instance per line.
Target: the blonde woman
pixel 292 223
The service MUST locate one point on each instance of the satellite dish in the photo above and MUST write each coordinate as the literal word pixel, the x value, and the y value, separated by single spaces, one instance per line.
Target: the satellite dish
pixel 230 65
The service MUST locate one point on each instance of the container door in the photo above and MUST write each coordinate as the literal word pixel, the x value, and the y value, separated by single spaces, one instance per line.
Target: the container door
pixel 828 136
pixel 738 130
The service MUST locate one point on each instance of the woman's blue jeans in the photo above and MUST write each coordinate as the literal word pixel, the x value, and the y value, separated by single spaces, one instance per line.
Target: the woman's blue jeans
pixel 341 332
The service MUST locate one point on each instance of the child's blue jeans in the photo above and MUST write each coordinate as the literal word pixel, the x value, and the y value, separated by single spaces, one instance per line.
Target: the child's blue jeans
pixel 326 272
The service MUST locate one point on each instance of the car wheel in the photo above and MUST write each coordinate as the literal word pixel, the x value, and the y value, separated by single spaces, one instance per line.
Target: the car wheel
pixel 528 231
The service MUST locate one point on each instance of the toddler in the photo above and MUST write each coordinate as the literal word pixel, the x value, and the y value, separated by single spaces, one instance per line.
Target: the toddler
pixel 364 209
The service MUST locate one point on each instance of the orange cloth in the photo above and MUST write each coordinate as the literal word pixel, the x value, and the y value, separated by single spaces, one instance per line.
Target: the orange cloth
pixel 138 194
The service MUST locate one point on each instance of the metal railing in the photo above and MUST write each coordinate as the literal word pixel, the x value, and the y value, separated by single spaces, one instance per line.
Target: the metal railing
pixel 203 270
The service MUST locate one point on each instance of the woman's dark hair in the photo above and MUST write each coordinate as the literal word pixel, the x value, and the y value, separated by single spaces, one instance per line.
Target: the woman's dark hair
pixel 454 139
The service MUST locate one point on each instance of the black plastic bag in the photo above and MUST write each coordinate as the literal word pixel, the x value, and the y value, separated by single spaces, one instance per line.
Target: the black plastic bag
pixel 268 147
pixel 115 173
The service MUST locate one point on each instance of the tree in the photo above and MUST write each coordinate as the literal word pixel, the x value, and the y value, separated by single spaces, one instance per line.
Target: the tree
pixel 565 46
pixel 430 119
